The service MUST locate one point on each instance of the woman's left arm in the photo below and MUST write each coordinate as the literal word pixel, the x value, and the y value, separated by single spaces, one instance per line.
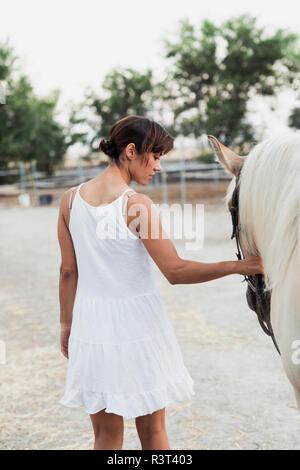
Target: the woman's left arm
pixel 68 275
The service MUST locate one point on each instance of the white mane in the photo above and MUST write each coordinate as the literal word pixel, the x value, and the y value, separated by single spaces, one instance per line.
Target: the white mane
pixel 269 203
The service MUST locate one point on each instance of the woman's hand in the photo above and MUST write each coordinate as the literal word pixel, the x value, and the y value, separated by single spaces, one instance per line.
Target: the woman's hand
pixel 64 340
pixel 250 266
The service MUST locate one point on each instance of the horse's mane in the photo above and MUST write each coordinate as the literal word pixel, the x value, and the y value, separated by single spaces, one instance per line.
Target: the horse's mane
pixel 269 203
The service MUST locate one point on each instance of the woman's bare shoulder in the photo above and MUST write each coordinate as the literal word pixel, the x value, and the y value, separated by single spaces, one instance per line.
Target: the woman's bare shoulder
pixel 140 198
pixel 66 201
pixel 68 192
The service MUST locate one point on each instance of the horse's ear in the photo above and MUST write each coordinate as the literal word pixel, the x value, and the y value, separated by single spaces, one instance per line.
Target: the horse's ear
pixel 230 160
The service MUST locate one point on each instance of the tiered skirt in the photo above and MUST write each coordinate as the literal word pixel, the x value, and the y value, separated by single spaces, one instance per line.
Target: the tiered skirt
pixel 124 357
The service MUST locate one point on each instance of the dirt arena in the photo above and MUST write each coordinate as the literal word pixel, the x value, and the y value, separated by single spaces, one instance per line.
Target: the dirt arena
pixel 243 399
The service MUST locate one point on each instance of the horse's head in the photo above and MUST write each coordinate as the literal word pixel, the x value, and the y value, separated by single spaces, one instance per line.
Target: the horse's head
pixel 257 299
pixel 269 199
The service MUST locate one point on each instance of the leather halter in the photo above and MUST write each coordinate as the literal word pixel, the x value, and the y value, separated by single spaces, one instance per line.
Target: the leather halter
pixel 258 300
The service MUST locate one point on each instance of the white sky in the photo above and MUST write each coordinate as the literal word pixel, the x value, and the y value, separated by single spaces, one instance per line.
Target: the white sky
pixel 71 44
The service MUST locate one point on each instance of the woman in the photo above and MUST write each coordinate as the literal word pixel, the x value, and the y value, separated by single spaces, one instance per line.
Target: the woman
pixel 124 358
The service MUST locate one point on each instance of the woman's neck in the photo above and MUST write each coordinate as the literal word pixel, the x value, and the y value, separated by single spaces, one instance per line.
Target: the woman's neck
pixel 118 174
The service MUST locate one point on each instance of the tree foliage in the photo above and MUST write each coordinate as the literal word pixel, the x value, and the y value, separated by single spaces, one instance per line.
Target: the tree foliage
pixel 211 74
pixel 124 92
pixel 214 71
pixel 29 129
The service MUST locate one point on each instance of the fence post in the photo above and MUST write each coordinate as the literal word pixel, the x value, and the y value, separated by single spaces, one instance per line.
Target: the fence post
pixel 34 186
pixel 164 185
pixel 22 176
pixel 80 176
pixel 24 198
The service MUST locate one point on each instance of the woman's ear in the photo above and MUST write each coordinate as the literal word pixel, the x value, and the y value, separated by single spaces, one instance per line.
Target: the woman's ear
pixel 130 151
pixel 228 159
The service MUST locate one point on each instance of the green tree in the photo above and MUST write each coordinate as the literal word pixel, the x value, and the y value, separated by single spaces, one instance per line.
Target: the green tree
pixel 7 60
pixel 49 140
pixel 29 128
pixel 125 92
pixel 214 72
pixel 16 122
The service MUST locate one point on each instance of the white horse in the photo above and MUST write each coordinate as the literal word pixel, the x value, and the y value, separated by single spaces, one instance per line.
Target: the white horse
pixel 269 215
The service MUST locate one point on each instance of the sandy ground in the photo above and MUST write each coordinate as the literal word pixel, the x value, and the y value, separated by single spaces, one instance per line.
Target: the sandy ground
pixel 243 399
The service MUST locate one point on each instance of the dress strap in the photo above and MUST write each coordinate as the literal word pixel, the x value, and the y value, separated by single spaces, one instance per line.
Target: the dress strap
pixel 71 195
pixel 125 205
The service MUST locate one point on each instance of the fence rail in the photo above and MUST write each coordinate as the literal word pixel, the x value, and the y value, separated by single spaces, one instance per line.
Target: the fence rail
pixel 172 171
pixel 180 171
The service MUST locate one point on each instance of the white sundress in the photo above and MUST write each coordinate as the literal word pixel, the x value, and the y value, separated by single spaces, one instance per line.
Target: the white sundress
pixel 124 356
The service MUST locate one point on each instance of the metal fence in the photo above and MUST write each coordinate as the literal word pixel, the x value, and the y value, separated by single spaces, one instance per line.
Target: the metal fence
pixel 181 171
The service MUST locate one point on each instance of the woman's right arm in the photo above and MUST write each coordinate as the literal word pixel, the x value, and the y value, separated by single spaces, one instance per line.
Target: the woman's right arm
pixel 164 253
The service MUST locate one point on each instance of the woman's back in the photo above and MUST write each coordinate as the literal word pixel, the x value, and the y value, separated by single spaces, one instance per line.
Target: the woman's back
pixel 111 260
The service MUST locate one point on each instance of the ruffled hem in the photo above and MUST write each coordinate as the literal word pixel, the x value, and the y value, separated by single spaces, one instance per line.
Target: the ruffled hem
pixel 132 406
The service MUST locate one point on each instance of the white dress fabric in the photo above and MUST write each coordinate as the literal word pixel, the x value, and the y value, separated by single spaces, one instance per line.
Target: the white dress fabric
pixel 124 356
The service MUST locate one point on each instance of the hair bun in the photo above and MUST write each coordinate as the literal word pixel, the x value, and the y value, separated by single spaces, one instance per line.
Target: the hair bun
pixel 107 147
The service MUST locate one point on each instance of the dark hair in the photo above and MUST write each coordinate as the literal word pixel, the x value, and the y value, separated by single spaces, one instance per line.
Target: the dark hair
pixel 147 135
